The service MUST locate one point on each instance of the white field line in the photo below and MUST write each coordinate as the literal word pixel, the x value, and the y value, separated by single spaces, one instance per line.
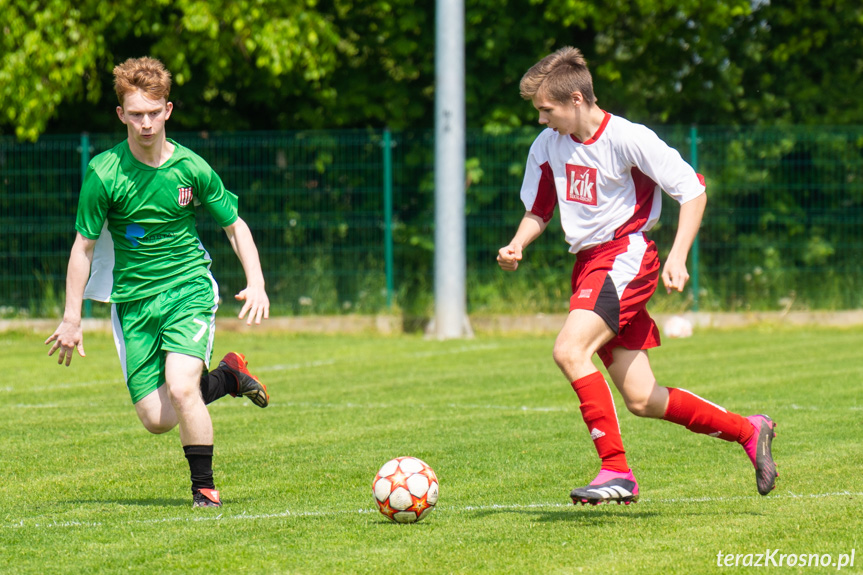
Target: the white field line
pixel 75 384
pixel 462 349
pixel 282 367
pixel 526 408
pixel 294 366
pixel 36 406
pixel 24 523
pixel 386 406
pixel 348 405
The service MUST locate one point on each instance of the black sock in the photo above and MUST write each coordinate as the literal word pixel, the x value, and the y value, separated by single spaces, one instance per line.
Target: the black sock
pixel 200 465
pixel 217 383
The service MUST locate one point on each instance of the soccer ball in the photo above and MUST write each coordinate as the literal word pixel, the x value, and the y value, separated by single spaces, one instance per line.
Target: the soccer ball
pixel 405 489
pixel 678 326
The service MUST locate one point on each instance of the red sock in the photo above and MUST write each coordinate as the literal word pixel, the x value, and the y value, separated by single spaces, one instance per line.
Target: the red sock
pixel 700 416
pixel 597 409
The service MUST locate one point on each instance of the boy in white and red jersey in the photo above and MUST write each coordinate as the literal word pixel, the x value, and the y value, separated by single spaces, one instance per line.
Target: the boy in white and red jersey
pixel 606 174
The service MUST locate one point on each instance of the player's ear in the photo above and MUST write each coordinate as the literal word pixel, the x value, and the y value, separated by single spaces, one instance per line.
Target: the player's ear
pixel 120 114
pixel 169 107
pixel 577 98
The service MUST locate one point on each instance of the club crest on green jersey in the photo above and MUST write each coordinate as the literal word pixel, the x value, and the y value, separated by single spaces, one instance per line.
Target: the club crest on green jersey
pixel 185 195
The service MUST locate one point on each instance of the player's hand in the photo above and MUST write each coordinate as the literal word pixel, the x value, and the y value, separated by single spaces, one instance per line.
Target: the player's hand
pixel 257 304
pixel 674 276
pixel 67 337
pixel 509 256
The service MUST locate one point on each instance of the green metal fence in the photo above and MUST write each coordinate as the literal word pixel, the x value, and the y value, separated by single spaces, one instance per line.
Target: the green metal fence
pixel 344 219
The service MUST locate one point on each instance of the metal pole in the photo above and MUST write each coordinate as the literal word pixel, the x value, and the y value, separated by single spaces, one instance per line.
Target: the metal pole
pixel 450 319
pixel 693 147
pixel 388 214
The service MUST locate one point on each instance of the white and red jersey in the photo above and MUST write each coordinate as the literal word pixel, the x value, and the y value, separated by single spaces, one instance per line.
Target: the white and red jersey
pixel 607 187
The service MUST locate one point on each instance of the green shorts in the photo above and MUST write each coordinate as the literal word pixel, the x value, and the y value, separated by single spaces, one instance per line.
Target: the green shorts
pixel 181 319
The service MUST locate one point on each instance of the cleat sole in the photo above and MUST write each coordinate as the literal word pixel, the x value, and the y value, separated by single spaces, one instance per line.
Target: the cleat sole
pixel 247 384
pixel 765 470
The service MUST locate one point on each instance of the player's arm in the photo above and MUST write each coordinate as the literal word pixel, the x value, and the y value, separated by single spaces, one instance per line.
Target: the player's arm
pixel 530 228
pixel 256 303
pixel 664 165
pixel 69 335
pixel 674 274
pixel 539 195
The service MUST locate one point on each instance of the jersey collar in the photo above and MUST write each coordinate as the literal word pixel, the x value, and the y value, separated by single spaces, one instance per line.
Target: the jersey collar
pixel 598 133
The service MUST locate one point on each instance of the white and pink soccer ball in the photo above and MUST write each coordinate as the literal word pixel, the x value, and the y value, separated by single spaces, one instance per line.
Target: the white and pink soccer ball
pixel 405 489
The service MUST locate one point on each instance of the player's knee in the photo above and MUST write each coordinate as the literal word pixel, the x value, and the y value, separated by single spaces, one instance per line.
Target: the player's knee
pixel 183 396
pixel 639 406
pixel 561 357
pixel 156 426
pixel 648 405
pixel 567 356
pixel 571 360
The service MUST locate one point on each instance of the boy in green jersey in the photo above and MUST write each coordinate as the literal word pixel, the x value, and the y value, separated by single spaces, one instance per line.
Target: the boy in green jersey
pixel 136 234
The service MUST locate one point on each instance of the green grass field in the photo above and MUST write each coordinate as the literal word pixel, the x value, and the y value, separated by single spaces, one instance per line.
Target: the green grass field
pixel 84 489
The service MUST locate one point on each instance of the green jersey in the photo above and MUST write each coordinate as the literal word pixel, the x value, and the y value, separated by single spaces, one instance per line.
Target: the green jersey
pixel 148 214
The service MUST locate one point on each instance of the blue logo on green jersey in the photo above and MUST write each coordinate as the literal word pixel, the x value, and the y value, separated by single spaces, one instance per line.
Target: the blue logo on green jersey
pixel 133 233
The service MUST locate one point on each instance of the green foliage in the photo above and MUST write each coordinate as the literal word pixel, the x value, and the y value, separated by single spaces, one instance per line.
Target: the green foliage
pixel 49 53
pixel 249 64
pixel 805 63
pixel 783 217
pixel 269 64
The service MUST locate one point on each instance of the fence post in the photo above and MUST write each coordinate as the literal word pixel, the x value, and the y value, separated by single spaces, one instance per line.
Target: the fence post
pixel 388 214
pixel 693 147
pixel 85 161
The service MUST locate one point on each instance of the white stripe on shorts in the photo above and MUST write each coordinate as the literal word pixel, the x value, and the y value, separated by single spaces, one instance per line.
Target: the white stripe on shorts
pixel 627 265
pixel 212 335
pixel 119 341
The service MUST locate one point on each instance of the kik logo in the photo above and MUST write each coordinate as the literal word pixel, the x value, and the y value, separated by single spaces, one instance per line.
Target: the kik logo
pixel 581 184
pixel 133 233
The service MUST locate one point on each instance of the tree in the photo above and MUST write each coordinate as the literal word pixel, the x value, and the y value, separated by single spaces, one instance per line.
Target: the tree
pixel 235 63
pixel 806 63
pixel 271 64
pixel 49 55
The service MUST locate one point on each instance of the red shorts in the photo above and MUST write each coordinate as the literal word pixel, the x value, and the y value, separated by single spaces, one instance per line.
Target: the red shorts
pixel 615 280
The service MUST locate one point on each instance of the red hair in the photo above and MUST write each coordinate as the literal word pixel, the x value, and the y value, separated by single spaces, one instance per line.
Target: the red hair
pixel 146 74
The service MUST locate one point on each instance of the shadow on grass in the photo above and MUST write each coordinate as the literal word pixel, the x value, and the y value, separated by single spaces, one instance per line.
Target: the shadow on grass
pixel 602 514
pixel 584 516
